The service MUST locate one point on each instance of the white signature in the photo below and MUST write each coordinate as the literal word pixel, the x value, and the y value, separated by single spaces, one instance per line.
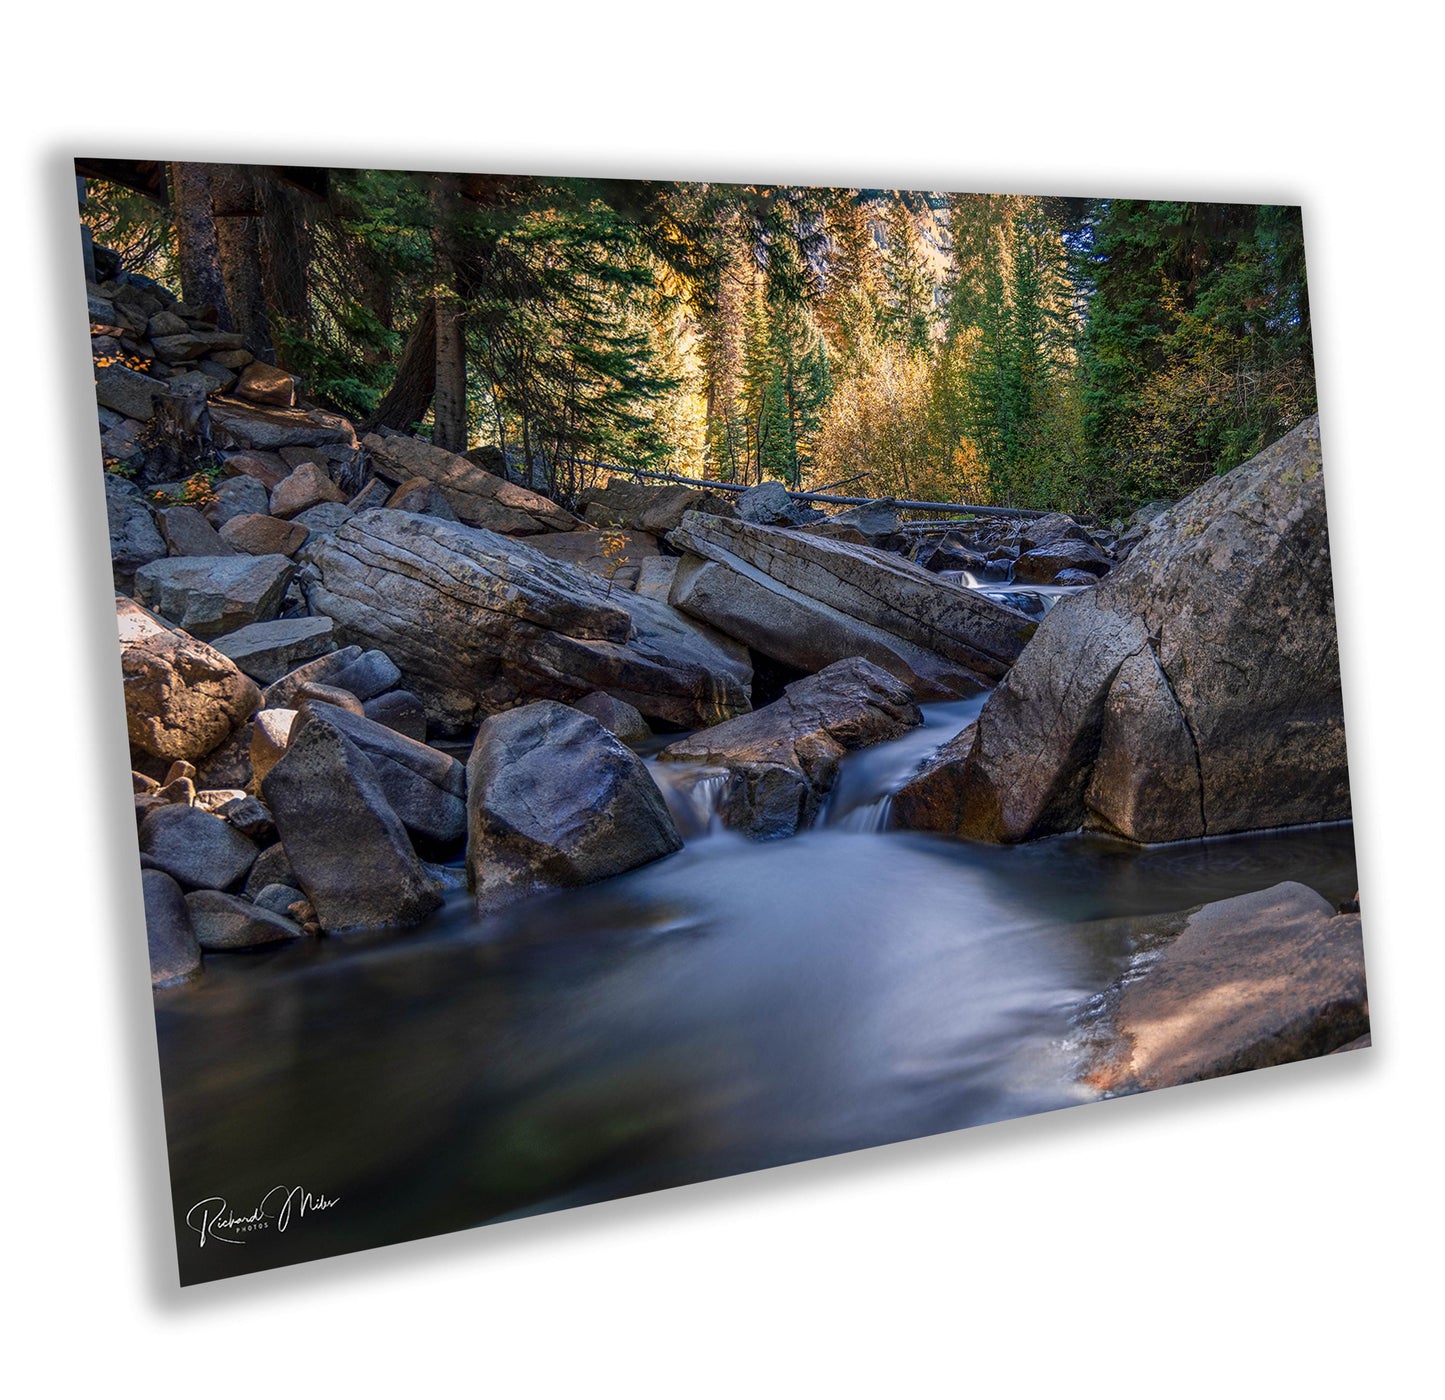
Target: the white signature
pixel 213 1218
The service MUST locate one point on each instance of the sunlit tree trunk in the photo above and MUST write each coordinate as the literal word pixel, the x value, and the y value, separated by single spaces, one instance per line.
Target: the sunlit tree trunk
pixel 201 281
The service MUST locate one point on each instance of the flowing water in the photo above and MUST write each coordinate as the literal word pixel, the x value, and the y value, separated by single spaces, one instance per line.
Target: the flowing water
pixel 734 1006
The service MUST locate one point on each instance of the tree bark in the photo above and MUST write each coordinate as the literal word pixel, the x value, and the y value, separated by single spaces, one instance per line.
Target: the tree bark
pixel 449 404
pixel 235 201
pixel 410 395
pixel 285 250
pixel 201 281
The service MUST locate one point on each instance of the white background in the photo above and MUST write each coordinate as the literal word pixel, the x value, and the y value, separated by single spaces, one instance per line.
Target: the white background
pixel 1274 1234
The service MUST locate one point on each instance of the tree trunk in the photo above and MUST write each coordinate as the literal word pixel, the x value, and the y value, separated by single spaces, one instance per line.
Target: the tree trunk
pixel 201 281
pixel 285 250
pixel 410 395
pixel 235 200
pixel 449 405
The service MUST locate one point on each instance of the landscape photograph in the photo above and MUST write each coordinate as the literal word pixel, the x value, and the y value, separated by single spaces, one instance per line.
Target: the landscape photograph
pixel 630 682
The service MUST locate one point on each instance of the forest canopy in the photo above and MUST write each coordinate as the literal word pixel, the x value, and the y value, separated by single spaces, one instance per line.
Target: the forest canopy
pixel 1083 355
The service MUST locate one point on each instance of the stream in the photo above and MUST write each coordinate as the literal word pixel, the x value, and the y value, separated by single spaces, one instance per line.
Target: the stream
pixel 735 1006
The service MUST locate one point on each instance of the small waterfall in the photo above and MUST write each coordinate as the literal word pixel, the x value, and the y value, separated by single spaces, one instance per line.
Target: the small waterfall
pixel 693 796
pixel 871 817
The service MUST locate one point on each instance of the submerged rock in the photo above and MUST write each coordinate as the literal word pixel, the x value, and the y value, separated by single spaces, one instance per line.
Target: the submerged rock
pixel 553 802
pixel 782 760
pixel 477 622
pixel 346 847
pixel 1193 692
pixel 807 601
pixel 1258 980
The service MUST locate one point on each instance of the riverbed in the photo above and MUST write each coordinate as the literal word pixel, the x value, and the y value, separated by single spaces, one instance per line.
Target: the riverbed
pixel 735 1006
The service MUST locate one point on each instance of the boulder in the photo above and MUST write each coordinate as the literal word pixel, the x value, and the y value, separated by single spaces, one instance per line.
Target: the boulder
pixel 134 538
pixel 424 787
pixel 346 846
pixel 615 716
pixel 477 497
pixel 1194 692
pixel 874 524
pixel 806 602
pixel 399 710
pixel 248 815
pixel 1258 980
pixel 263 534
pixel 768 503
pixel 271 868
pixel 190 534
pixel 226 924
pixel 282 694
pixel 195 848
pixel 655 576
pixel 266 467
pixel 269 736
pixel 653 509
pixel 422 497
pixel 195 345
pixel 182 697
pixel 365 676
pixel 1045 562
pixel 126 391
pixel 782 760
pixel 325 517
pixel 307 486
pixel 235 497
pixel 265 384
pixel 329 695
pixel 278 899
pixel 375 494
pixel 553 802
pixel 209 597
pixel 266 651
pixel 235 423
pixel 1139 524
pixel 175 956
pixel 477 622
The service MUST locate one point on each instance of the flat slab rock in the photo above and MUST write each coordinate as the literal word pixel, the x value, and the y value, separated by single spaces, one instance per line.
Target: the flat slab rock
pixel 782 760
pixel 1259 980
pixel 798 597
pixel 266 651
pixel 478 622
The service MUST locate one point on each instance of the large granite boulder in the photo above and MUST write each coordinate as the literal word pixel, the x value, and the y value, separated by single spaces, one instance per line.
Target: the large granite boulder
pixel 307 486
pixel 478 622
pixel 782 760
pixel 477 497
pixel 553 802
pixel 347 848
pixel 1258 980
pixel 875 524
pixel 614 555
pixel 182 697
pixel 209 597
pixel 1194 692
pixel 808 601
